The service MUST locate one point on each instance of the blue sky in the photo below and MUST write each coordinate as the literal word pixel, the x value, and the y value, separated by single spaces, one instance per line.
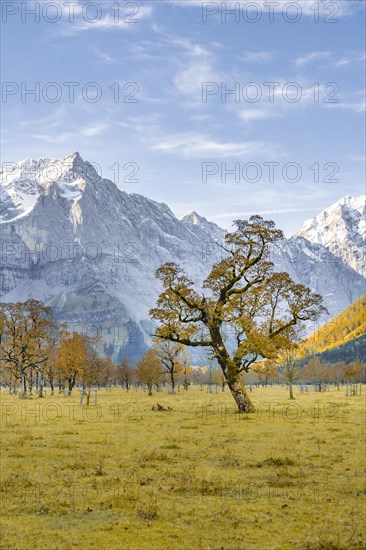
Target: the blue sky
pixel 181 138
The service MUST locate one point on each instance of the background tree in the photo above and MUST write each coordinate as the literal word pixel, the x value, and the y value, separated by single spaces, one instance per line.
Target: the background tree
pixel 213 374
pixel 171 356
pixel 149 370
pixel 290 372
pixel 266 372
pixel 198 376
pixel 125 373
pixel 26 332
pixel 249 378
pixel 72 360
pixel 185 376
pixel 95 372
pixel 337 373
pixel 354 372
pixel 50 367
pixel 244 293
pixel 287 358
pixel 315 372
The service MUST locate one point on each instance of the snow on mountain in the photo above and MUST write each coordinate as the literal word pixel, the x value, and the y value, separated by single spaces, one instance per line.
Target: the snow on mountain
pixel 193 218
pixel 341 228
pixel 91 250
pixel 23 183
pixel 315 266
pixel 75 241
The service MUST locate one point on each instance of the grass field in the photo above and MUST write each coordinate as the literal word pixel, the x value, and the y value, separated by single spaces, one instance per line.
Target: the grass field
pixel 120 475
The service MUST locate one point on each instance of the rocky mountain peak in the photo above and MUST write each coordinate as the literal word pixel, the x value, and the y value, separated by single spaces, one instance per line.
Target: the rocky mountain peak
pixel 341 228
pixel 22 183
pixel 200 224
pixel 194 218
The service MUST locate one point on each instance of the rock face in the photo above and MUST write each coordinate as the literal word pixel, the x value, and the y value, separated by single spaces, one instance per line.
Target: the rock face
pixel 89 250
pixel 78 243
pixel 325 273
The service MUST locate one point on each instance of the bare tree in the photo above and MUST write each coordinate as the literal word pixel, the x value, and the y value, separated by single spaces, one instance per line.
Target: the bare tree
pixel 27 329
pixel 186 374
pixel 315 372
pixel 266 372
pixel 125 373
pixel 288 358
pixel 354 372
pixel 171 358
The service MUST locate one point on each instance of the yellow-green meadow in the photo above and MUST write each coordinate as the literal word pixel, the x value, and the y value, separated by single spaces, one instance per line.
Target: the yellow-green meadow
pixel 196 475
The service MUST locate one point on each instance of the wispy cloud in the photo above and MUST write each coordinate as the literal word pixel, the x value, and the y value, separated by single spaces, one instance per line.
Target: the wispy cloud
pixel 191 75
pixel 347 59
pixel 308 58
pixel 257 57
pixel 103 56
pixel 355 102
pixel 357 106
pixel 341 62
pixel 195 145
pixel 106 22
pixel 52 120
pixel 194 64
pixel 91 130
pixel 257 114
pixel 191 48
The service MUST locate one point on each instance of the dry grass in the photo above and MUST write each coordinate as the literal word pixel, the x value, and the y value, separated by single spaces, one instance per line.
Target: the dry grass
pixel 200 476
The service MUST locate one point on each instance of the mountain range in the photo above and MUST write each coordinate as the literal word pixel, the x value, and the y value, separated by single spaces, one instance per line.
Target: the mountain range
pixel 78 243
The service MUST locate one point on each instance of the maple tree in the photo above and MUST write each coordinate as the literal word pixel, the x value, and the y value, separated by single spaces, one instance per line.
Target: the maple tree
pixel 243 292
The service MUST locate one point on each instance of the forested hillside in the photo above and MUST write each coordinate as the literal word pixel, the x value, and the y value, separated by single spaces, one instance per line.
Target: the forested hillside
pixel 348 325
pixel 354 350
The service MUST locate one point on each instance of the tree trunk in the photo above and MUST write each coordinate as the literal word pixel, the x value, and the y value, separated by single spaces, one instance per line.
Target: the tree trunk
pixel 149 386
pixel 240 395
pixel 291 392
pixel 172 381
pixel 40 387
pixel 52 387
pixel 30 383
pixel 23 390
